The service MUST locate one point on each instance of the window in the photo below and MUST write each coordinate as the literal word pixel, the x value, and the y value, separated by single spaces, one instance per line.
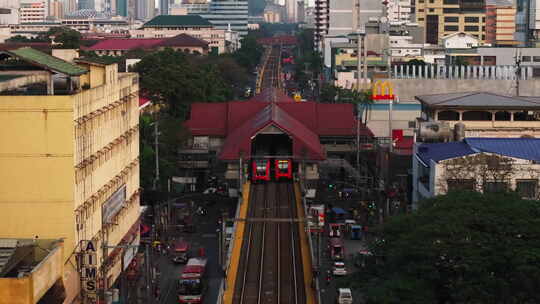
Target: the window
pixel 448 115
pixel 536 58
pixel 477 116
pixel 471 19
pixel 431 1
pixel 421 10
pixel 450 2
pixel 420 19
pixel 451 19
pixel 527 188
pixel 431 10
pixel 484 19
pixel 460 185
pixel 495 187
pixel 451 10
pixel 471 28
pixel 526 58
pixel 451 28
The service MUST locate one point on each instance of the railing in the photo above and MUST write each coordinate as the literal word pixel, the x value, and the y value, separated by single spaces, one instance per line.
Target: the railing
pixel 435 71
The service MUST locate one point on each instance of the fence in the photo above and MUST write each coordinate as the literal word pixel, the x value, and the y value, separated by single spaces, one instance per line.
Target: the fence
pixel 435 71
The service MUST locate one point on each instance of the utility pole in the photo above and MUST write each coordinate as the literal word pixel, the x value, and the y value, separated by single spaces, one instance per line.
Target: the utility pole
pixel 517 60
pixel 156 149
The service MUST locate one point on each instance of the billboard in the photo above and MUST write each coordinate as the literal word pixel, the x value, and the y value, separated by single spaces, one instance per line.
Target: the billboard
pixel 114 204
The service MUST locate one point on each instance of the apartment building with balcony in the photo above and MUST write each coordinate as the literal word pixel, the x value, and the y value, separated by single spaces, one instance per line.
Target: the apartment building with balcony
pixel 70 159
pixel 501 23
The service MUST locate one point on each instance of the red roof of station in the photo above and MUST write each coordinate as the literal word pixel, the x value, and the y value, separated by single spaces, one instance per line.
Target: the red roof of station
pixel 285 40
pixel 305 142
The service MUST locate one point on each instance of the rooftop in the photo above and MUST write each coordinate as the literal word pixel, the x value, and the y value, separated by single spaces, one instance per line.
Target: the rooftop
pixel 479 100
pixel 522 148
pixel 177 20
pixel 45 61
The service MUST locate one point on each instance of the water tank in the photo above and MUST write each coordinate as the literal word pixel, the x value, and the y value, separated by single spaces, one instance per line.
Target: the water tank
pixel 434 131
pixel 459 131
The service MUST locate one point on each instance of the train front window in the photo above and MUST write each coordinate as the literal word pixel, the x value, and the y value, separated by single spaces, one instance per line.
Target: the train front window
pixel 189 287
pixel 261 167
pixel 283 166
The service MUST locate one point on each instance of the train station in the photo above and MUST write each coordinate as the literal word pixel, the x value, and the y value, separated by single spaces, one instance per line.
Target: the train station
pixel 270 148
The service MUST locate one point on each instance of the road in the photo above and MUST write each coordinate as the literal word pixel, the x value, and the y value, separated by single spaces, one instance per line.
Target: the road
pixel 205 237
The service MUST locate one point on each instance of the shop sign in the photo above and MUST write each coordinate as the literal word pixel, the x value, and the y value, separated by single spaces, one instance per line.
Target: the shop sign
pixel 113 205
pixel 131 251
pixel 88 270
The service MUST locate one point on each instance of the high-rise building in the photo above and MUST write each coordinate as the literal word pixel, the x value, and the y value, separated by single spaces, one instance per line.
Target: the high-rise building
pixel 164 7
pixel 121 8
pixel 321 19
pixel 82 126
pixel 501 23
pixel 56 9
pixel 86 4
pixel 399 11
pixel 441 18
pixel 9 11
pixel 228 14
pixel 290 8
pixel 32 11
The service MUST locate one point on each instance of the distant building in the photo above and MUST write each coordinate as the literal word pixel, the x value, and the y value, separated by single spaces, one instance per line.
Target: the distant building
pixel 501 23
pixel 9 12
pixel 459 40
pixel 120 46
pixel 33 11
pixel 442 18
pixel 399 11
pixel 164 26
pixel 229 13
pixel 86 4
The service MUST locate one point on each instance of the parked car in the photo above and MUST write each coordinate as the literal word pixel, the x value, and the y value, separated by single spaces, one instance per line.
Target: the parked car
pixel 339 269
pixel 344 296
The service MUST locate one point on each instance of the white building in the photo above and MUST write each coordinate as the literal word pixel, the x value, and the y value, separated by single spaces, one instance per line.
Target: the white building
pixel 399 11
pixel 31 11
pixel 476 164
pixel 402 48
pixel 459 40
pixel 9 13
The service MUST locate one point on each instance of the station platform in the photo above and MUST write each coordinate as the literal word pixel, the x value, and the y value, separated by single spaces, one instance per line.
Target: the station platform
pixel 233 265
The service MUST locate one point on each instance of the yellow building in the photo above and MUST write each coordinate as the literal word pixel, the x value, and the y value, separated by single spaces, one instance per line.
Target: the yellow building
pixel 444 17
pixel 69 159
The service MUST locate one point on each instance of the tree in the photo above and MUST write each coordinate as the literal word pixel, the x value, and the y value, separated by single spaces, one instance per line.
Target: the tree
pixel 464 247
pixel 174 80
pixel 249 53
pixel 66 37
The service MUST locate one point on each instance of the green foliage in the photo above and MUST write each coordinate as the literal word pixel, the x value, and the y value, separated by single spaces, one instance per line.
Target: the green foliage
pixel 464 247
pixel 249 53
pixel 174 80
pixel 331 93
pixel 460 61
pixel 416 62
pixel 66 37
pixel 23 39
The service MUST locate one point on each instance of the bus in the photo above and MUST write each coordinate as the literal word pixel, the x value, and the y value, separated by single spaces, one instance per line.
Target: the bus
pixel 337 250
pixel 192 282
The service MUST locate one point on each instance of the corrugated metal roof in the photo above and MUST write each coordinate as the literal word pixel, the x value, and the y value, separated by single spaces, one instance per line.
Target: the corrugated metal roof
pixel 48 62
pixel 177 20
pixel 524 148
pixel 441 151
pixel 114 44
pixel 478 100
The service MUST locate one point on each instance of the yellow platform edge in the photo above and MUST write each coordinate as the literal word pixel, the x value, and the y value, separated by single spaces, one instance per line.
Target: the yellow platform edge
pixel 232 271
pixel 306 256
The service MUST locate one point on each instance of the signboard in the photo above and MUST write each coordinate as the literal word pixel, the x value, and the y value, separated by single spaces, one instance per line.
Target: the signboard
pixel 88 269
pixel 131 251
pixel 297 97
pixel 113 205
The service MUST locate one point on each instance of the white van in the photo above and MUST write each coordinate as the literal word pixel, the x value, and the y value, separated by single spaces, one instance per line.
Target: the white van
pixel 344 296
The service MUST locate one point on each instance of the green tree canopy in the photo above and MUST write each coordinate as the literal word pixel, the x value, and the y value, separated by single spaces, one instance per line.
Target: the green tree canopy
pixel 175 80
pixel 464 247
pixel 66 37
pixel 250 52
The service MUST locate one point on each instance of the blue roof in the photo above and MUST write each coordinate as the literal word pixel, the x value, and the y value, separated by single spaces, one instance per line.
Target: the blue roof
pixel 441 151
pixel 524 148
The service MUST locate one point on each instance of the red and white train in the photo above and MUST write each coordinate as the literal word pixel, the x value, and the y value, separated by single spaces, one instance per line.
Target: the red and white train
pixel 267 169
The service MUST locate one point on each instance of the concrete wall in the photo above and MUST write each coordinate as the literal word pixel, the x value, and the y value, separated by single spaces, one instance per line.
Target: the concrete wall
pixel 406 89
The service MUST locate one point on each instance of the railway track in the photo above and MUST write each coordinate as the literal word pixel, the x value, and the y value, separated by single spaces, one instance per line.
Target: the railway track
pixel 270 269
pixel 271 71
